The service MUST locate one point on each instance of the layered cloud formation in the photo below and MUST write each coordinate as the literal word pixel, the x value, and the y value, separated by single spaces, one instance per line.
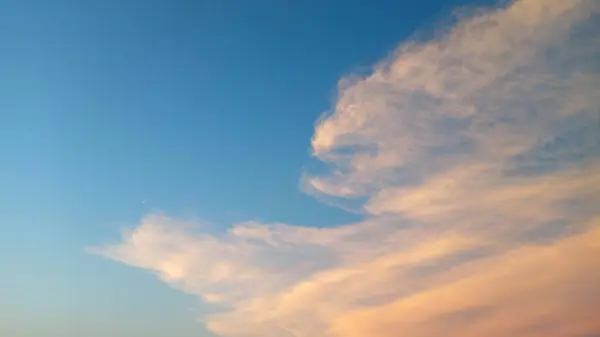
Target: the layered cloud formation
pixel 477 156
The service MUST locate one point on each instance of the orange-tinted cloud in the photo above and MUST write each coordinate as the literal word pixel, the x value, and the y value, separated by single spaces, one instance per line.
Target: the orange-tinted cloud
pixel 534 290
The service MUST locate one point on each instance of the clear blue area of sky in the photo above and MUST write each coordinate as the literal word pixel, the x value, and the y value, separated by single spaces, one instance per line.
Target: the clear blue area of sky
pixel 111 109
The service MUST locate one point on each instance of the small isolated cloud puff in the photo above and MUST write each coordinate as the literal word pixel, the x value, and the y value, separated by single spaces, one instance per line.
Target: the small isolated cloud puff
pixel 477 155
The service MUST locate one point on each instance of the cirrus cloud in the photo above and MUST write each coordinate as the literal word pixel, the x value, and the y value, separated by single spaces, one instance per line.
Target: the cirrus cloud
pixel 478 156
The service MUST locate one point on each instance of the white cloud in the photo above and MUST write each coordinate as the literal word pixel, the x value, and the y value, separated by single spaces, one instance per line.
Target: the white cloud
pixel 500 84
pixel 478 155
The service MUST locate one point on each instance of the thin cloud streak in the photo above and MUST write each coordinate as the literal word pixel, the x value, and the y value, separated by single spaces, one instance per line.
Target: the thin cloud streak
pixel 477 155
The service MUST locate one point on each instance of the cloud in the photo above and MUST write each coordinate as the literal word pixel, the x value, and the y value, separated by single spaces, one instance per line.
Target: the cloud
pixel 477 156
pixel 549 290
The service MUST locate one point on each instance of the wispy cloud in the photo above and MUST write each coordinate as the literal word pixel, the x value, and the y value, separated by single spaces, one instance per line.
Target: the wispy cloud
pixel 478 155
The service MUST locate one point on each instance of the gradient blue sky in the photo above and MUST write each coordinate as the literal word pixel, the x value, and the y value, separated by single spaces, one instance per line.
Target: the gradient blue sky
pixel 110 109
pixel 114 109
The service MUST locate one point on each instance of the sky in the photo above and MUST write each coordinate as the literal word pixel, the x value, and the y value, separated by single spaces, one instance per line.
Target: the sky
pixel 307 169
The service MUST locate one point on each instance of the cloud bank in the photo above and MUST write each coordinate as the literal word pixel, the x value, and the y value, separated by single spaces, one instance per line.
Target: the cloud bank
pixel 477 155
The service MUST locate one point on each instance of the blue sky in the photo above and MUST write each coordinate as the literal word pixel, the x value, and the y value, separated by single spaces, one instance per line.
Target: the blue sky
pixel 113 110
pixel 200 108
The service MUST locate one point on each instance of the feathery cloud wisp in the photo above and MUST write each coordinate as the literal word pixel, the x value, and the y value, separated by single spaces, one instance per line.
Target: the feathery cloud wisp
pixel 478 155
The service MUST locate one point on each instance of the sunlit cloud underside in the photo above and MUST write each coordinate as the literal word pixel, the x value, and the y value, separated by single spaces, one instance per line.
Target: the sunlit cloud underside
pixel 477 155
